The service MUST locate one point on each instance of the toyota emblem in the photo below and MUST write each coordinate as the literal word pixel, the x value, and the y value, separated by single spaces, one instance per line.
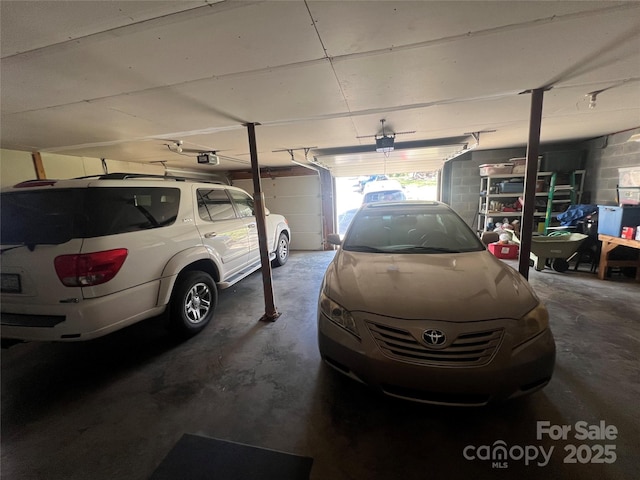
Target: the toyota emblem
pixel 434 338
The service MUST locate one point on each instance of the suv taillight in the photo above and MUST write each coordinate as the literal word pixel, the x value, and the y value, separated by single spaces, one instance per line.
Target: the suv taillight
pixel 89 269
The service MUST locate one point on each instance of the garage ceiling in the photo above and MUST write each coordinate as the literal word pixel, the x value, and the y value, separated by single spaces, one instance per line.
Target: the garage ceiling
pixel 123 79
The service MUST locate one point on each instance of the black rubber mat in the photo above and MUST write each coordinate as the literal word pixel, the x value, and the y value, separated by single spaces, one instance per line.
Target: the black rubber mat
pixel 194 457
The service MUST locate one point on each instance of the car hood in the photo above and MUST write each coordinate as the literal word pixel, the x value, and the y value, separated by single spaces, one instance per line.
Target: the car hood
pixel 470 286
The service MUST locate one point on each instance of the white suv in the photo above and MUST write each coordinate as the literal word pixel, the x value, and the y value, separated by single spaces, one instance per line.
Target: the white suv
pixel 82 258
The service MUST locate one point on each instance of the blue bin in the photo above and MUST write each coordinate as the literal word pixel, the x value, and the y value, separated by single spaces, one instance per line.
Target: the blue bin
pixel 611 219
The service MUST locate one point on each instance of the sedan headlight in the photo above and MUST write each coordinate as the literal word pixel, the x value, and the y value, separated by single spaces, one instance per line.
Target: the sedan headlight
pixel 533 323
pixel 337 314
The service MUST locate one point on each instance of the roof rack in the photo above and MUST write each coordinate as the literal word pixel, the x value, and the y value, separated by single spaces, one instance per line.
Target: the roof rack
pixel 127 176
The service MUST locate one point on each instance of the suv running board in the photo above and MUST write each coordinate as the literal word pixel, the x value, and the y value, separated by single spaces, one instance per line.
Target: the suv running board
pixel 244 273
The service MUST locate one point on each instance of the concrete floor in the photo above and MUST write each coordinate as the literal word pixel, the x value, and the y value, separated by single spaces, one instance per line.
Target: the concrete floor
pixel 114 407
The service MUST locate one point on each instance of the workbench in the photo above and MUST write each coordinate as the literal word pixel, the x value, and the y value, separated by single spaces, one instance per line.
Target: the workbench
pixel 608 244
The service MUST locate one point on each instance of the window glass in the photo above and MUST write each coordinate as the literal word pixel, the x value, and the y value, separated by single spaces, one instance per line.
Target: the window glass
pixel 215 205
pixel 30 217
pixel 126 209
pixel 410 231
pixel 244 203
pixel 384 196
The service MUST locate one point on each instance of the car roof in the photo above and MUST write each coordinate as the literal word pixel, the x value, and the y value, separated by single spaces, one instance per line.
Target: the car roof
pixel 407 205
pixel 382 185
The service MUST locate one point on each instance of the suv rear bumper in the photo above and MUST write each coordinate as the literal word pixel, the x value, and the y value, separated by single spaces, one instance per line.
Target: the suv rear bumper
pixel 87 319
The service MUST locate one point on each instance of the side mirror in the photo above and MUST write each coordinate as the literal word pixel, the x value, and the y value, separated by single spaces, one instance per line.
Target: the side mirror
pixel 334 239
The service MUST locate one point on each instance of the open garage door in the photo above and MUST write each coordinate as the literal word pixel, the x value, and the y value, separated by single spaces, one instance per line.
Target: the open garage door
pixel 405 157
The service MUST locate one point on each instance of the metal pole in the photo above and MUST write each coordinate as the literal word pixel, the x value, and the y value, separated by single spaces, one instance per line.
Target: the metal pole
pixel 535 120
pixel 271 314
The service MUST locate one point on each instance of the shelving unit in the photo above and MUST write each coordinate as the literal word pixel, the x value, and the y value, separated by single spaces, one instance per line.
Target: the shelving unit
pixel 551 200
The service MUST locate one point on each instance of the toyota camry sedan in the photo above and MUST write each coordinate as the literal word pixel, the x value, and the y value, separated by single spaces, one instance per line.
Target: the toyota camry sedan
pixel 414 306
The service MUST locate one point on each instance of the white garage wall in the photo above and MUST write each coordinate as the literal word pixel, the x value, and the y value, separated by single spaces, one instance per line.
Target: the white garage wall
pixel 299 200
pixel 116 166
pixel 64 166
pixel 15 167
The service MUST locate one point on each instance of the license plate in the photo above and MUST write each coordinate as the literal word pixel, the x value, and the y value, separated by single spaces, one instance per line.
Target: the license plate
pixel 11 283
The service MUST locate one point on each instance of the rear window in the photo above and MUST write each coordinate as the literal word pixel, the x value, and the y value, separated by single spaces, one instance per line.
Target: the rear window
pixel 55 216
pixel 384 196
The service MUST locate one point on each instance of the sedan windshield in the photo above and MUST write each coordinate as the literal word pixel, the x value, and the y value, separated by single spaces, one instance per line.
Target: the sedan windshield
pixel 412 231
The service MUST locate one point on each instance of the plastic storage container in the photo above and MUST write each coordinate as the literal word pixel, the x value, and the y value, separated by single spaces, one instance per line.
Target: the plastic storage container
pixel 629 176
pixel 611 219
pixel 495 169
pixel 511 187
pixel 629 195
pixel 520 164
pixel 504 250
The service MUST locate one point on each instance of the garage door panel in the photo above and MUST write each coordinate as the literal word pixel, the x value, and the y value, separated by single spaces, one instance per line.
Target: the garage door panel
pixel 299 200
pixel 307 241
pixel 303 223
pixel 292 205
pixel 295 186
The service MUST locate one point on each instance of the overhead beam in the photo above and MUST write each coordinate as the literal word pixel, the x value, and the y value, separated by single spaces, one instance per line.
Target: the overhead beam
pixel 38 166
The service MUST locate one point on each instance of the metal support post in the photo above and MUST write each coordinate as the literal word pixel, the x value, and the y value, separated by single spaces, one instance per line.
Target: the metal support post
pixel 271 313
pixel 535 120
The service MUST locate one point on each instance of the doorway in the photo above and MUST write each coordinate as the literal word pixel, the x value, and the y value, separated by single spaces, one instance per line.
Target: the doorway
pixel 349 192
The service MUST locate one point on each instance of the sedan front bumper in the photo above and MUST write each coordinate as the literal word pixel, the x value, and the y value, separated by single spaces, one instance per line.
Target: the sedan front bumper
pixel 481 362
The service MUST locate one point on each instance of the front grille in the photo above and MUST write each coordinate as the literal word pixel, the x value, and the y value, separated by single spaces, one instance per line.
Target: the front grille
pixel 468 349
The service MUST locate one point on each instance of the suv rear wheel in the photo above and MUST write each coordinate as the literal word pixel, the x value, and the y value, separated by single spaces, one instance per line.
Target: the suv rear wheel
pixel 193 302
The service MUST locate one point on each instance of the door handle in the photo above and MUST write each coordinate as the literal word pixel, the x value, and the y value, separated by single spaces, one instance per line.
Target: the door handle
pixel 210 235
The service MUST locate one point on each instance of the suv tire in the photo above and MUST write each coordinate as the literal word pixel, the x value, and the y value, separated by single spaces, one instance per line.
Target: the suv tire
pixel 282 251
pixel 193 302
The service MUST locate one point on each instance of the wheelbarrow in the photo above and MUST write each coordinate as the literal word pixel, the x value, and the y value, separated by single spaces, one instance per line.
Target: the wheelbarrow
pixel 554 250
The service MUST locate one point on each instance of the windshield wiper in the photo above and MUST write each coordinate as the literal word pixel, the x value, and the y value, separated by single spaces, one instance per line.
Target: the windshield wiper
pixel 363 248
pixel 423 249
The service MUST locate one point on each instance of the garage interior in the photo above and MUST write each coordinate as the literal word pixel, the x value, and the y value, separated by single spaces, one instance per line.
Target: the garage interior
pixel 144 87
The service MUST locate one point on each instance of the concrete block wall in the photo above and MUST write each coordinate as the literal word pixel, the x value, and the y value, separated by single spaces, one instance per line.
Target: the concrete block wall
pixel 605 155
